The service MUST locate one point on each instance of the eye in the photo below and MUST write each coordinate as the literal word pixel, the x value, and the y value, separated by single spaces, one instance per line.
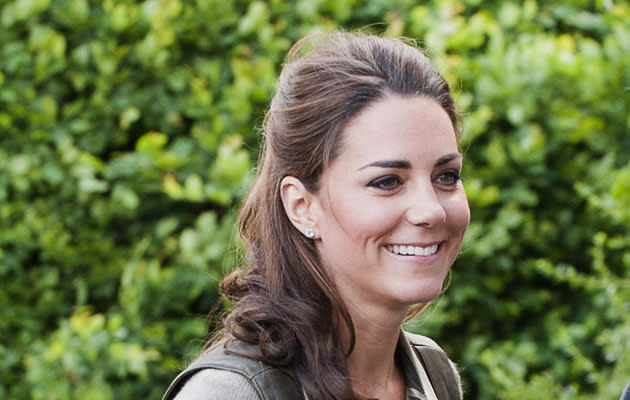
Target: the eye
pixel 449 177
pixel 388 182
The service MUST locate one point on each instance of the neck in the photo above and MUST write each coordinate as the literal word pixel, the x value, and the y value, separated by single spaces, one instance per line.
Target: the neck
pixel 371 364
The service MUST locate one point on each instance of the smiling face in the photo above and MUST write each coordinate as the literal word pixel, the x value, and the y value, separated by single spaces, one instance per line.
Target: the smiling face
pixel 391 210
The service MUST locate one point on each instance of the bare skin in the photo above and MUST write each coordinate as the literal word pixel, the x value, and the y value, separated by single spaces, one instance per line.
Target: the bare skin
pixel 371 365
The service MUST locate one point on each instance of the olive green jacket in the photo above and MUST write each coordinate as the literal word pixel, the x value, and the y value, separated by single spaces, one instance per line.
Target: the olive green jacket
pixel 436 373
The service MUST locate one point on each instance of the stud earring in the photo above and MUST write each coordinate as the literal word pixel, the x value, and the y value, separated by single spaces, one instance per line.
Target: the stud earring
pixel 309 233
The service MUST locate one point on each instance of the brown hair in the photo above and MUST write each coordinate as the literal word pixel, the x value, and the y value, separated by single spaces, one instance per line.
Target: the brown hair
pixel 285 301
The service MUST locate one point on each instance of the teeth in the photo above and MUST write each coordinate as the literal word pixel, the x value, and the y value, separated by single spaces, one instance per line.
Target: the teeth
pixel 412 250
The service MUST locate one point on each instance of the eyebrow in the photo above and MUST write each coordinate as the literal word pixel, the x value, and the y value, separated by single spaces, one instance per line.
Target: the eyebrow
pixel 447 158
pixel 404 164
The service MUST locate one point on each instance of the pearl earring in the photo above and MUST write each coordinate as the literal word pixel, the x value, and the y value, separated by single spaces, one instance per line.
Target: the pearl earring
pixel 309 233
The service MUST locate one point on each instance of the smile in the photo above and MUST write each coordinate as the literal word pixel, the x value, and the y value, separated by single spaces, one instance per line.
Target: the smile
pixel 407 250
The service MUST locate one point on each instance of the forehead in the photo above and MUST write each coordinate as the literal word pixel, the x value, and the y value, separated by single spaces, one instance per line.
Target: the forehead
pixel 413 128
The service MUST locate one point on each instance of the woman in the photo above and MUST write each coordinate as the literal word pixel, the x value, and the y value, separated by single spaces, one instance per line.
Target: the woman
pixel 353 223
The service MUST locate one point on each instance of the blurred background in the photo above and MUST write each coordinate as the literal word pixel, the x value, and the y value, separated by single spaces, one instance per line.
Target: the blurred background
pixel 129 131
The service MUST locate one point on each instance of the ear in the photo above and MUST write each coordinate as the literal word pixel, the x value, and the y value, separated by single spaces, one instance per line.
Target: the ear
pixel 298 204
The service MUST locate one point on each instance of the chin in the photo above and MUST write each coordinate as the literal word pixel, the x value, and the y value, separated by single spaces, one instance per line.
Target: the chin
pixel 424 293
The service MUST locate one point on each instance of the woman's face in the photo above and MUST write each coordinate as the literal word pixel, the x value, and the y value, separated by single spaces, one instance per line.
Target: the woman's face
pixel 392 210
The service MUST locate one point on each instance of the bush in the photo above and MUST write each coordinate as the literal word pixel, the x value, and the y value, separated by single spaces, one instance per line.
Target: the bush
pixel 128 130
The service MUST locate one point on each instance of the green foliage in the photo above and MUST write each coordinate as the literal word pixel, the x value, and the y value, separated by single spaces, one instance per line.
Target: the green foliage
pixel 128 130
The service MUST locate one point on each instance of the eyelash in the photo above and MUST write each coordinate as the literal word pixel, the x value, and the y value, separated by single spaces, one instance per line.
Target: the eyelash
pixel 453 175
pixel 384 182
pixel 391 182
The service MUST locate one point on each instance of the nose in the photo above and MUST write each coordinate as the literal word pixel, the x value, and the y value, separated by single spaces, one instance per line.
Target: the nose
pixel 425 207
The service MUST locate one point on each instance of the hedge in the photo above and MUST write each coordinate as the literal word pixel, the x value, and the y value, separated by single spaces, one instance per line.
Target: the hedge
pixel 128 134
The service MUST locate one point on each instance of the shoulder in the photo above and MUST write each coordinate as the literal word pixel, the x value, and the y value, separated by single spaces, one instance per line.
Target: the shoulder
pixel 424 344
pixel 431 353
pixel 210 384
pixel 237 367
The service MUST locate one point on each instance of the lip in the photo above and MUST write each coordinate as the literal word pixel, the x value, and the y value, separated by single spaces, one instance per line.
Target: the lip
pixel 416 244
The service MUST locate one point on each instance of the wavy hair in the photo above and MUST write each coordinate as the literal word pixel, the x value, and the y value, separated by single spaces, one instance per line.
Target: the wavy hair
pixel 285 301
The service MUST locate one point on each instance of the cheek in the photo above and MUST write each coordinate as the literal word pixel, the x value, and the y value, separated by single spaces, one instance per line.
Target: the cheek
pixel 458 213
pixel 361 217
